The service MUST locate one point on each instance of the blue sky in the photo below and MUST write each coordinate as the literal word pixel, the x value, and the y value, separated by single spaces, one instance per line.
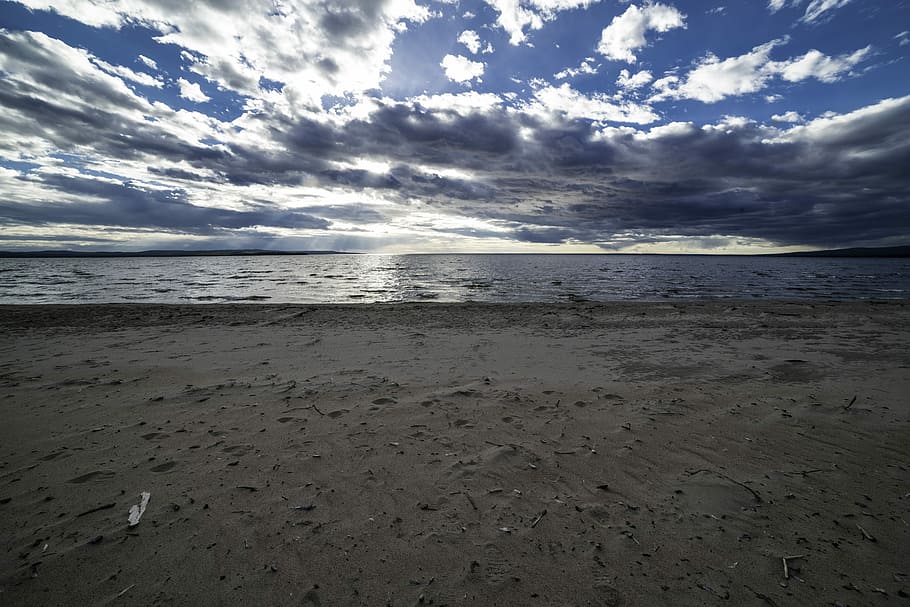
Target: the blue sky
pixel 436 126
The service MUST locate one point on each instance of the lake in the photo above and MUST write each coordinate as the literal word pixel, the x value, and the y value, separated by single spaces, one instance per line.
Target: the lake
pixel 482 278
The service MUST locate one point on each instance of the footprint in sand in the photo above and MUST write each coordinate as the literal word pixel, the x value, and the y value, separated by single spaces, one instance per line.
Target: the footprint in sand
pixel 97 474
pixel 497 567
pixel 608 595
pixel 164 467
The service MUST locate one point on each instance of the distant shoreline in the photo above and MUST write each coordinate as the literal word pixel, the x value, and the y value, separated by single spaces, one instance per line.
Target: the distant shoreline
pixel 880 252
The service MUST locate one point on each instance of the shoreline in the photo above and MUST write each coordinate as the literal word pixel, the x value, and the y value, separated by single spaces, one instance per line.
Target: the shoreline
pixel 137 314
pixel 622 453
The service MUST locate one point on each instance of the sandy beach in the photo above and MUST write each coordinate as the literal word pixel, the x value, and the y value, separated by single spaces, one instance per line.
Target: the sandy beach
pixel 436 454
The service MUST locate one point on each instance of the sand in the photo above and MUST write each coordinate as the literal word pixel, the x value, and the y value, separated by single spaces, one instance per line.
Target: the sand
pixel 618 454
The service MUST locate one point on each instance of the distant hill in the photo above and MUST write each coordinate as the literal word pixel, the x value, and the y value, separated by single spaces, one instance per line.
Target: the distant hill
pixel 856 252
pixel 165 253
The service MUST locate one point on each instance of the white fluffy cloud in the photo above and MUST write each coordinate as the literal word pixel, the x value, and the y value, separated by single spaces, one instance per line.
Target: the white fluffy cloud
pixel 128 74
pixel 150 63
pixel 816 64
pixel 565 102
pixel 790 116
pixel 631 82
pixel 192 91
pixel 626 33
pixel 585 67
pixel 714 79
pixel 461 69
pixel 471 40
pixel 314 48
pixel 516 16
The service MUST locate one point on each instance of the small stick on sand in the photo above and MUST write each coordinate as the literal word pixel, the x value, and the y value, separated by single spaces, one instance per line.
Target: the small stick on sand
pixel 865 533
pixel 470 499
pixel 104 507
pixel 762 596
pixel 784 559
pixel 852 400
pixel 539 516
pixel 754 493
pixel 125 590
pixel 807 472
pixel 316 409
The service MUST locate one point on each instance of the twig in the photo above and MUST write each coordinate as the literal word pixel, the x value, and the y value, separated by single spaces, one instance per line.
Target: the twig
pixel 470 499
pixel 865 533
pixel 762 596
pixel 852 400
pixel 315 408
pixel 754 493
pixel 539 516
pixel 125 590
pixel 104 507
pixel 807 472
pixel 784 559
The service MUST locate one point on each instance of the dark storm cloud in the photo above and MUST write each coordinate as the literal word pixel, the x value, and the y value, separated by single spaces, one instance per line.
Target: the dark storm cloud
pixel 69 109
pixel 106 203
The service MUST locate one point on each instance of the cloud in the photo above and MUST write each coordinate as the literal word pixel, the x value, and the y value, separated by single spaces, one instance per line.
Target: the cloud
pixel 790 116
pixel 816 11
pixel 563 165
pixel 471 40
pixel 573 105
pixel 128 74
pixel 776 5
pixel 330 47
pixel 585 67
pixel 818 8
pixel 631 82
pixel 626 33
pixel 516 16
pixel 106 202
pixel 714 79
pixel 815 64
pixel 148 62
pixel 192 91
pixel 461 69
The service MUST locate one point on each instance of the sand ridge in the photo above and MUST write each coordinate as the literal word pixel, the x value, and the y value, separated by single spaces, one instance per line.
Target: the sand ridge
pixel 450 454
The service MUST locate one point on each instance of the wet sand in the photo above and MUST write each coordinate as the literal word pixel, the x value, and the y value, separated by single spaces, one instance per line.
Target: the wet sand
pixel 617 454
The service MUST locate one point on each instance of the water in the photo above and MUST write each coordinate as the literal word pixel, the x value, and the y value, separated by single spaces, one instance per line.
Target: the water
pixel 484 278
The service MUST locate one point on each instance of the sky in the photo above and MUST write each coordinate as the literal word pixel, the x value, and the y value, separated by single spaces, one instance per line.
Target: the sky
pixel 394 126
